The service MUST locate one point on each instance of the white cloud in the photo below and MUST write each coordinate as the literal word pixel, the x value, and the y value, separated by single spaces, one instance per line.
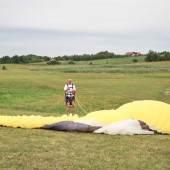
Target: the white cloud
pixel 88 25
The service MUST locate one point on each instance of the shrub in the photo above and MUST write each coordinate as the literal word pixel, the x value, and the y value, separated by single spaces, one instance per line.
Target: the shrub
pixel 90 63
pixel 135 60
pixel 4 68
pixel 71 62
pixel 53 62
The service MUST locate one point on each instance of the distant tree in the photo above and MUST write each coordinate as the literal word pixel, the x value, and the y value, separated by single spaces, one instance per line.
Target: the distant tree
pixel 34 59
pixel 152 56
pixel 87 57
pixel 24 59
pixel 164 56
pixel 15 59
pixel 66 57
pixel 5 60
pixel 31 58
pixel 45 58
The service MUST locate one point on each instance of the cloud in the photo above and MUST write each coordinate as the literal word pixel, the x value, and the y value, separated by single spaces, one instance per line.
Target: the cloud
pixel 58 42
pixel 59 27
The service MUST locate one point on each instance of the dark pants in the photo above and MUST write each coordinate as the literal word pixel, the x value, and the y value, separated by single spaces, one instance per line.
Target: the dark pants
pixel 69 99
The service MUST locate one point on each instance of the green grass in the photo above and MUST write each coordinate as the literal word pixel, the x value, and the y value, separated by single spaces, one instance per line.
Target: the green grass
pixel 40 149
pixel 37 89
pixel 116 65
pixel 22 89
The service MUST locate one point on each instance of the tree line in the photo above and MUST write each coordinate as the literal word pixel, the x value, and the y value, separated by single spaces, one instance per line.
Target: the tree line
pixel 23 59
pixel 88 57
pixel 31 58
pixel 34 59
pixel 151 56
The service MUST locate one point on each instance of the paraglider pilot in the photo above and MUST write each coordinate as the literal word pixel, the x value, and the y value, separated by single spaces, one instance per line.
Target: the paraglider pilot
pixel 70 90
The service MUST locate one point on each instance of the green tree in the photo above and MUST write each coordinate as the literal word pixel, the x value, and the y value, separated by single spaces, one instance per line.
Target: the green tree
pixel 152 56
pixel 164 56
pixel 15 59
pixel 5 60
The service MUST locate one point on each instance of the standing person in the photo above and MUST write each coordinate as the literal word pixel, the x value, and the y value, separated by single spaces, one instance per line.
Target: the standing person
pixel 70 91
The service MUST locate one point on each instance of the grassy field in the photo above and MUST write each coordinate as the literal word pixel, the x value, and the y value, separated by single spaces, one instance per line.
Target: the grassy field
pixel 37 89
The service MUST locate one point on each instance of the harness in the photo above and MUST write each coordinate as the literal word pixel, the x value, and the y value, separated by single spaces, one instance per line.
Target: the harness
pixel 69 93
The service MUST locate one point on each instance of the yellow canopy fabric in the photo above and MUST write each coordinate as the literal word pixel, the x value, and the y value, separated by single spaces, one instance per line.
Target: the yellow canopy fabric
pixel 154 113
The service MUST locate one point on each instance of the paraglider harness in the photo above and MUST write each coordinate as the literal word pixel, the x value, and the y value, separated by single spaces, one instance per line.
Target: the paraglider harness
pixel 69 95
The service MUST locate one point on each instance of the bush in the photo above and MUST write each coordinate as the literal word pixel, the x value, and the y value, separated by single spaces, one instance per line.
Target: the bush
pixel 135 60
pixel 53 62
pixel 90 63
pixel 4 68
pixel 71 62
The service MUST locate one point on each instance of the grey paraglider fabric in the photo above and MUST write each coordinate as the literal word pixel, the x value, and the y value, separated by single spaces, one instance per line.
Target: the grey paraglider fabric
pixel 70 126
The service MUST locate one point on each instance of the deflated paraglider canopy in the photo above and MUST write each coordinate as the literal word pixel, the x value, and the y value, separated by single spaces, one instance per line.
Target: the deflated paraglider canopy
pixel 71 126
pixel 138 117
pixel 122 127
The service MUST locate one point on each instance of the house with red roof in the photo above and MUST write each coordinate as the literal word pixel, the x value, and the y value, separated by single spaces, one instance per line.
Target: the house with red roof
pixel 133 54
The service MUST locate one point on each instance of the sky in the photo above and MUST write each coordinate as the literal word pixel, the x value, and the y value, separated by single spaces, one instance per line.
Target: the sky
pixel 67 27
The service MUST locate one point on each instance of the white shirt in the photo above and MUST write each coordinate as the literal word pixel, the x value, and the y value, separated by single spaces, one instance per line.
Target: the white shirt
pixel 69 92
